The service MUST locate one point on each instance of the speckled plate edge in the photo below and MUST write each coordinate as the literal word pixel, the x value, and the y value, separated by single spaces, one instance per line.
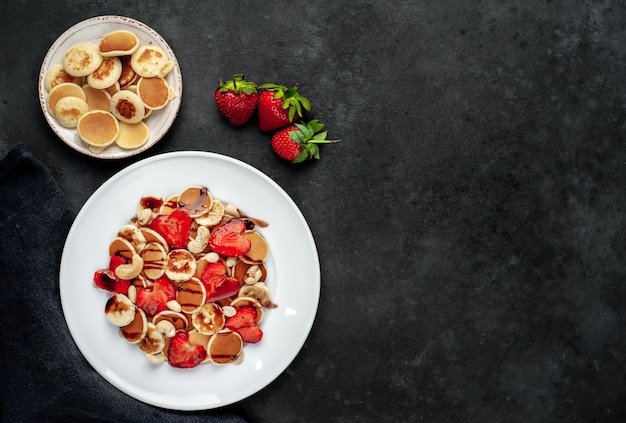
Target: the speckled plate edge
pixel 91 30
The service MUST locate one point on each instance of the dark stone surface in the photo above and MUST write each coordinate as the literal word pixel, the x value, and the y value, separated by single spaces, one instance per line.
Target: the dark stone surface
pixel 471 225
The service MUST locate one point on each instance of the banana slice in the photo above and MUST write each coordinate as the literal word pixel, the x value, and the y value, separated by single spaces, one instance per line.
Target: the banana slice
pixel 225 347
pixel 118 43
pixel 181 265
pixel 150 61
pixel 107 74
pixel 153 342
pixel 127 106
pixel 81 59
pixel 56 75
pixel 214 216
pixel 119 310
pixel 260 292
pixel 134 236
pixel 209 319
pixel 191 295
pixel 136 330
pixel 154 258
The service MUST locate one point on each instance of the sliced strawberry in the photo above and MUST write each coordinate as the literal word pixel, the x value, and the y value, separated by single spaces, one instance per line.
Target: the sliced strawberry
pixel 217 282
pixel 153 299
pixel 115 262
pixel 106 279
pixel 250 334
pixel 174 227
pixel 182 354
pixel 245 316
pixel 229 239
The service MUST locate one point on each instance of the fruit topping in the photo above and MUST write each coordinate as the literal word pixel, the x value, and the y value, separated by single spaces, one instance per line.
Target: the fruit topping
pixel 182 354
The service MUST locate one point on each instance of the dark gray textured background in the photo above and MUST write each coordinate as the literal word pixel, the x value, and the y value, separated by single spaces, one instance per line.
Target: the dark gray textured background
pixel 471 225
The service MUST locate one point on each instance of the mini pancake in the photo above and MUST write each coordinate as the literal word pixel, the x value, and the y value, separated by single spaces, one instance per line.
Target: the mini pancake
pixel 68 111
pixel 209 319
pixel 258 248
pixel 82 59
pixel 153 342
pixel 56 75
pixel 132 135
pixel 195 200
pixel 224 347
pixel 98 128
pixel 127 106
pixel 128 75
pixel 150 61
pixel 118 43
pixel 64 89
pixel 136 330
pixel 179 320
pixel 154 92
pixel 191 295
pixel 107 73
pixel 97 99
pixel 154 259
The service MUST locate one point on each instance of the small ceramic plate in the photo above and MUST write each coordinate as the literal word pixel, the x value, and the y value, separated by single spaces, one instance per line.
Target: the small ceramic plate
pixel 91 31
pixel 293 279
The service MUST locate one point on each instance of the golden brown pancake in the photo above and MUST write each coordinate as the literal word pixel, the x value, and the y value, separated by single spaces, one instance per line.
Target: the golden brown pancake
pixel 82 59
pixel 118 43
pixel 154 92
pixel 107 74
pixel 69 109
pixel 98 128
pixel 65 89
pixel 132 135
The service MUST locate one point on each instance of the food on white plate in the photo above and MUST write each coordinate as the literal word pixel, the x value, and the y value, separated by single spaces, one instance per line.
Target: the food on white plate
pixel 98 129
pixel 188 279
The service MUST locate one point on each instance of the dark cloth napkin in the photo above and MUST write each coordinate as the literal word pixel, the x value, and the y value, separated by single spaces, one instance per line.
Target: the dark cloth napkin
pixel 43 375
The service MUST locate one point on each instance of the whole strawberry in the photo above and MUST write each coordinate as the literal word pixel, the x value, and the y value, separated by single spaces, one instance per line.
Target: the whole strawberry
pixel 279 106
pixel 299 142
pixel 237 99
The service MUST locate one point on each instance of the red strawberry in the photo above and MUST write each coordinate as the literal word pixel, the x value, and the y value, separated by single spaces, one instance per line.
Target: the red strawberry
pixel 237 99
pixel 153 299
pixel 279 106
pixel 299 142
pixel 251 334
pixel 229 239
pixel 182 354
pixel 244 323
pixel 174 227
pixel 245 316
pixel 217 282
pixel 107 279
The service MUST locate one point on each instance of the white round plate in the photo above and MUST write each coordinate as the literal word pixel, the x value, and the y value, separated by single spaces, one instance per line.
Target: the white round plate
pixel 293 280
pixel 91 31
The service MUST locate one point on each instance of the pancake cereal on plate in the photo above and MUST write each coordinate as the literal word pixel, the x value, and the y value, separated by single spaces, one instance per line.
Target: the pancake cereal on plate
pixel 187 278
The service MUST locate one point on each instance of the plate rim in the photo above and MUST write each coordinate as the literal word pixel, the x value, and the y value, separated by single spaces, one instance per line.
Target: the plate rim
pixel 310 240
pixel 177 75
